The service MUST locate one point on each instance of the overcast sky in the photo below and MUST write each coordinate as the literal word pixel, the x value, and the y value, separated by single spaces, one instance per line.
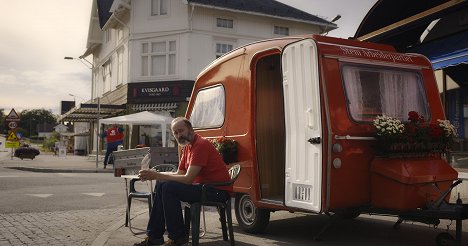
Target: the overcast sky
pixel 37 35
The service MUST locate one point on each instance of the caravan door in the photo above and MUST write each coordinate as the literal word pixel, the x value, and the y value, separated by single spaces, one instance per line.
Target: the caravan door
pixel 303 171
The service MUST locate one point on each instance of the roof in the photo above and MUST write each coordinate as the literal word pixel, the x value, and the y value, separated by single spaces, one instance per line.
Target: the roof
pixel 401 23
pixel 266 7
pixel 103 7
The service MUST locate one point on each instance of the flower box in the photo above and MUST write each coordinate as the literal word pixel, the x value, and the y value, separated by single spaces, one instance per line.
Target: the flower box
pixel 416 138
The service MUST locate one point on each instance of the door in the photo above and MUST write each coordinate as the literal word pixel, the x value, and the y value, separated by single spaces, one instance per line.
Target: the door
pixel 303 171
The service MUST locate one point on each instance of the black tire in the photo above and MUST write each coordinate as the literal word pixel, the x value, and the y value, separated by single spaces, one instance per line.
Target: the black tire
pixel 444 238
pixel 250 218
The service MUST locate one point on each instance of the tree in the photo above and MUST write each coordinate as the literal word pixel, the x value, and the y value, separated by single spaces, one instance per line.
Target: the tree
pixel 29 119
pixel 3 126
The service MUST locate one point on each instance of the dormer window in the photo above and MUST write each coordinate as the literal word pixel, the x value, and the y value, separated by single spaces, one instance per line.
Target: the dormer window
pixel 224 23
pixel 159 7
pixel 281 30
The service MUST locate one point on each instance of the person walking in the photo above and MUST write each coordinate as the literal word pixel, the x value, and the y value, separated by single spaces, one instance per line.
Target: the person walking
pixel 114 137
pixel 200 164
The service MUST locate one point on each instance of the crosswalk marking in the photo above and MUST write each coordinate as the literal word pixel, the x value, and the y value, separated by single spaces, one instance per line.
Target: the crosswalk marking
pixel 48 195
pixel 40 195
pixel 93 194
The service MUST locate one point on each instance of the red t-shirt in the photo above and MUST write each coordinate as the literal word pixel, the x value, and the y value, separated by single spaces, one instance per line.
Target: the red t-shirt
pixel 203 153
pixel 114 134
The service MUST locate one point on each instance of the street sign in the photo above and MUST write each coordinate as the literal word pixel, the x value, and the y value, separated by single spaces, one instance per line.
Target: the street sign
pixel 12 116
pixel 12 136
pixel 12 144
pixel 12 124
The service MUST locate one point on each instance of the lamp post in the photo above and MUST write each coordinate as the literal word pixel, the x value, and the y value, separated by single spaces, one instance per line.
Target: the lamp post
pixel 90 65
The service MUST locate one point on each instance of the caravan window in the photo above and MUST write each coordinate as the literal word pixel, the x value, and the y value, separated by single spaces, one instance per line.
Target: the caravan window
pixel 373 90
pixel 208 110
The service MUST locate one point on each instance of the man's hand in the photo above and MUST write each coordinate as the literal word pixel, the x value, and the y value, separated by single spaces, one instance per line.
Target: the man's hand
pixel 148 175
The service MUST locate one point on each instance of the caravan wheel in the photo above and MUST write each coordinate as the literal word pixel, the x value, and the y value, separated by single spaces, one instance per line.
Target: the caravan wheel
pixel 250 218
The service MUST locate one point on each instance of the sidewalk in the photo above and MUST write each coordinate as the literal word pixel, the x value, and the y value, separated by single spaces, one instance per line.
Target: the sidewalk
pixel 47 162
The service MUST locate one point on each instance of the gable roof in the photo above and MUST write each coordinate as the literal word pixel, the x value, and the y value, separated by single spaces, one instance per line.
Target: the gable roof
pixel 103 8
pixel 265 7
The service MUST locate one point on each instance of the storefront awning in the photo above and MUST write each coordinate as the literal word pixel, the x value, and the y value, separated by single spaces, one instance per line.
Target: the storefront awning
pixel 89 112
pixel 450 51
pixel 171 107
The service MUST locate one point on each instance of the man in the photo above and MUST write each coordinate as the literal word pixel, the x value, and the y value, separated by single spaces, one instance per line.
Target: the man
pixel 200 164
pixel 114 137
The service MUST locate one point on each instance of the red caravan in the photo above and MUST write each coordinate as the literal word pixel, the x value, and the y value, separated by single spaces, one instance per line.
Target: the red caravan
pixel 301 110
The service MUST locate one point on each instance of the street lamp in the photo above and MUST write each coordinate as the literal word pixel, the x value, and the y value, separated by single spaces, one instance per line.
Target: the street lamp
pixel 72 95
pixel 90 65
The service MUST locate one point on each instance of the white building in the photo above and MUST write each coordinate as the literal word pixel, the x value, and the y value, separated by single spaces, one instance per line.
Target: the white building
pixel 146 54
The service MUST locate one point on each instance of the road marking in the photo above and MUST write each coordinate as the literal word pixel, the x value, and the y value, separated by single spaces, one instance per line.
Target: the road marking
pixel 94 194
pixel 9 176
pixel 40 195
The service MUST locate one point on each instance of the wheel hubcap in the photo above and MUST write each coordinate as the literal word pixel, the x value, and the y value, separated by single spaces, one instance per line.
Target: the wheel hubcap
pixel 247 210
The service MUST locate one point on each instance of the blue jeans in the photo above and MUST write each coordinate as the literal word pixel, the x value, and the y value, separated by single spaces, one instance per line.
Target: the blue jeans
pixel 167 205
pixel 111 147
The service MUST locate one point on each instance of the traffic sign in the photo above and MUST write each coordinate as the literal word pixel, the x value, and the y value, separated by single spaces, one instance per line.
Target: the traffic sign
pixel 12 144
pixel 12 124
pixel 12 116
pixel 12 136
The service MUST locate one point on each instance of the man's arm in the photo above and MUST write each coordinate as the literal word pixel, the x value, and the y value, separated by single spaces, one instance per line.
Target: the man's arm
pixel 181 176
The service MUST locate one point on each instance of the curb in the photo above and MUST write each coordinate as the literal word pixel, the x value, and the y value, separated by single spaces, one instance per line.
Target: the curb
pixel 55 170
pixel 104 236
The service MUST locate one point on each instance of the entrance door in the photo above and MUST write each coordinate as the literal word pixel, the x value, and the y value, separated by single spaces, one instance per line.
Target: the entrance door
pixel 303 172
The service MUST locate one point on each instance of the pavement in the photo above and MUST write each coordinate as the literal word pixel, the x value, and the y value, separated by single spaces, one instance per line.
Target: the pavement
pixel 117 233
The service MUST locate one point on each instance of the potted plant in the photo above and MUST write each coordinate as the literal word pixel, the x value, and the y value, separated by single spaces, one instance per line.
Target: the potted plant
pixel 227 148
pixel 415 136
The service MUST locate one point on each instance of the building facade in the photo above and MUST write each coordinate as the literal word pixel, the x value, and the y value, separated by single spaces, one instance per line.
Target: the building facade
pixel 146 54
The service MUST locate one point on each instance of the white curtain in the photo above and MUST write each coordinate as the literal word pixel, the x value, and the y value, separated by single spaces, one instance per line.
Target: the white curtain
pixel 208 110
pixel 401 93
pixel 353 91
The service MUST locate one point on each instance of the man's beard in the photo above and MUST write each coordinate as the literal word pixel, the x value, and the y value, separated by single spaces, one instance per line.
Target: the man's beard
pixel 184 140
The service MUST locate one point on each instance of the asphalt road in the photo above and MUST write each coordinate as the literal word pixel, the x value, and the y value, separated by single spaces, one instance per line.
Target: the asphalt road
pixel 22 191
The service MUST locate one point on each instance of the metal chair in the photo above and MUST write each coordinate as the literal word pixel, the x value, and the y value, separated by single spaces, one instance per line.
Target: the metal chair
pixel 133 193
pixel 192 213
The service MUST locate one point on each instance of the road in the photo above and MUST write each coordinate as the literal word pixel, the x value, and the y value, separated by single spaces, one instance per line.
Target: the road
pixel 58 208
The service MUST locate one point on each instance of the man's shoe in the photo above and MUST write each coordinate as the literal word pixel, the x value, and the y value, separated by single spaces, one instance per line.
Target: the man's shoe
pixel 176 242
pixel 105 166
pixel 149 241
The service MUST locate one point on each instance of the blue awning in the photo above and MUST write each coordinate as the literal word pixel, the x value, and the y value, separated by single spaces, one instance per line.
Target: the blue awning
pixel 450 51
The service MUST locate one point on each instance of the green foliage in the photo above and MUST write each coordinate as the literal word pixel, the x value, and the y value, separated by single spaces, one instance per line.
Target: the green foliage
pixel 29 119
pixel 49 143
pixel 3 126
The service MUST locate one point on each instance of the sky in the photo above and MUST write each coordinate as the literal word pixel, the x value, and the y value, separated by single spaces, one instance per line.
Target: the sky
pixel 37 35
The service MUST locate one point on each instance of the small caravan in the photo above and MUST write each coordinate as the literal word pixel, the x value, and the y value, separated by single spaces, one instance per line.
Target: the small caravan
pixel 301 110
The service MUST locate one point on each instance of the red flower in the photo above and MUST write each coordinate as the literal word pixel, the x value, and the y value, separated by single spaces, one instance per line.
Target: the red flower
pixel 435 131
pixel 413 116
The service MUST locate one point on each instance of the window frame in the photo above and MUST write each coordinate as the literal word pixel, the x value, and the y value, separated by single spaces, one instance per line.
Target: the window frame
pixel 220 42
pixel 279 28
pixel 223 111
pixel 152 2
pixel 147 67
pixel 368 67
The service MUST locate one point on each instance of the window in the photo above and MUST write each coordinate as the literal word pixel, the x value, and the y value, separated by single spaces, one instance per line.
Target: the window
pixel 159 7
pixel 107 36
pixel 120 65
pixel 222 48
pixel 158 58
pixel 208 111
pixel 106 77
pixel 281 30
pixel 372 91
pixel 224 23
